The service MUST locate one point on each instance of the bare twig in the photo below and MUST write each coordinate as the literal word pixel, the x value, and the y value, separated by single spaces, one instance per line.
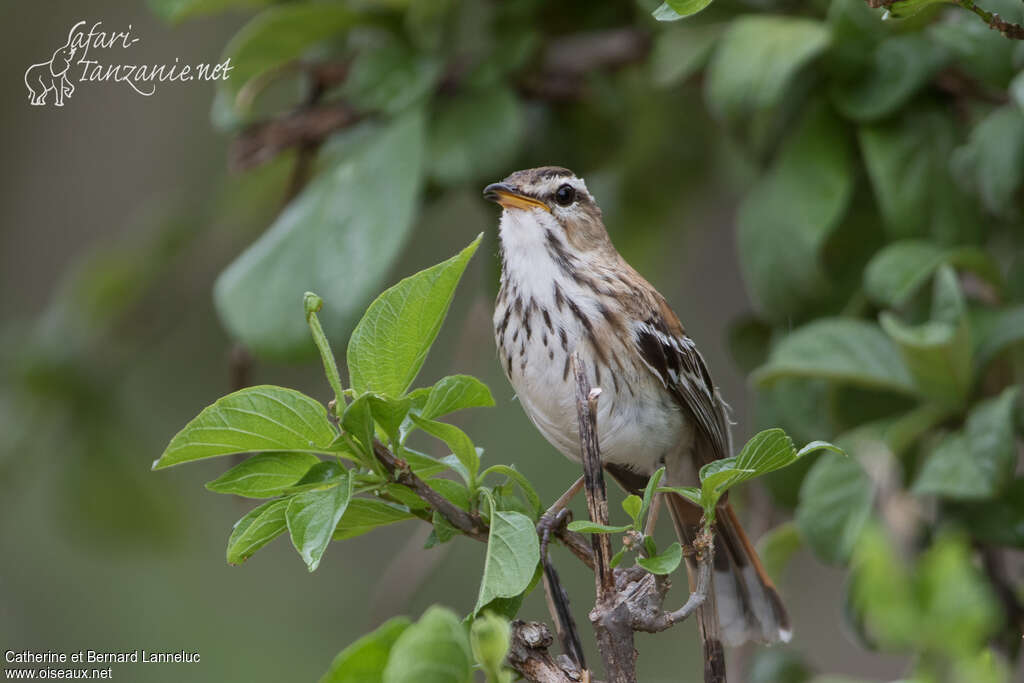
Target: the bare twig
pixel 528 654
pixel 263 141
pixel 1009 30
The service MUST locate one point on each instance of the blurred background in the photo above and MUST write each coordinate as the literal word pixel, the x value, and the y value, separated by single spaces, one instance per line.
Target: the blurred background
pixel 750 162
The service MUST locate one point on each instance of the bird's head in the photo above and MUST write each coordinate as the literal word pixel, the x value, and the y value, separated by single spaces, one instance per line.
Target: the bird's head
pixel 540 203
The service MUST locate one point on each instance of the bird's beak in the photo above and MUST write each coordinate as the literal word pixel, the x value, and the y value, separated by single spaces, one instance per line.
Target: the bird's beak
pixel 509 198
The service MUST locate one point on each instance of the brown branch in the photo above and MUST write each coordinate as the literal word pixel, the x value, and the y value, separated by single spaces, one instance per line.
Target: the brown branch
pixel 261 142
pixel 994 21
pixel 528 654
pixel 401 473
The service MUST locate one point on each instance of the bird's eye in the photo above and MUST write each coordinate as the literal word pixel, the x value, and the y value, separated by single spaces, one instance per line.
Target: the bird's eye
pixel 565 195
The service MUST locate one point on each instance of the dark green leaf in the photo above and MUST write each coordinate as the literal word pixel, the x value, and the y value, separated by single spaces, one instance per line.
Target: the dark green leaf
pixel 433 650
pixel 752 67
pixel 256 529
pixel 587 527
pixel 841 350
pixel 513 552
pixel 524 485
pixel 999 521
pixel 261 418
pixel 280 34
pixel 673 10
pixel 390 343
pixel 475 135
pixel 357 421
pixel 995 331
pixel 322 475
pixel 390 77
pixel 364 660
pixel 456 392
pixel 979 461
pixel 312 517
pixel 339 238
pixel 665 563
pixel 901 66
pixel 366 514
pixel 786 217
pixel 992 161
pixel 835 503
pixel 896 272
pixel 389 413
pixel 264 475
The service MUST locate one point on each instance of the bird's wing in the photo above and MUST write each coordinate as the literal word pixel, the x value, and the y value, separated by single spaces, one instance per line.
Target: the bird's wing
pixel 674 359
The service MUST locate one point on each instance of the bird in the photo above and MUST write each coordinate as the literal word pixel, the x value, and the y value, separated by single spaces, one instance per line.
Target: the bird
pixel 565 289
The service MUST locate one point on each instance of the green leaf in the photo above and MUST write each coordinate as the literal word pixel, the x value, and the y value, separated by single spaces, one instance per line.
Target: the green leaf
pixel 489 640
pixel 785 219
pixel 320 476
pixel 475 134
pixel 998 521
pixel 901 66
pixel 907 163
pixel 665 563
pixel 513 552
pixel 312 518
pixel 456 392
pixel 938 352
pixel 256 529
pixel 366 514
pixel 633 505
pixel 264 475
pixel 364 660
pixel 835 503
pixel 680 51
pixel 280 34
pixel 908 8
pixel 457 440
pixel 673 10
pixel 777 547
pixel 842 350
pixel 585 526
pixel 524 485
pixel 389 413
pixel 649 490
pixel 898 270
pixel 261 418
pixel 174 11
pixel 390 343
pixel 433 650
pixel 338 238
pixel 691 493
pixel 991 164
pixel 996 331
pixel 357 421
pixel 752 68
pixel 766 452
pixel 390 77
pixel 979 461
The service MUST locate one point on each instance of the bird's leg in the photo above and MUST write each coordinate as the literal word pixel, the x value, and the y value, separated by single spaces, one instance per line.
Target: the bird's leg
pixel 555 515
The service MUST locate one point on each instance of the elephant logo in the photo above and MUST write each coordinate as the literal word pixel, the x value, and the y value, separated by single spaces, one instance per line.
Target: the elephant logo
pixel 51 76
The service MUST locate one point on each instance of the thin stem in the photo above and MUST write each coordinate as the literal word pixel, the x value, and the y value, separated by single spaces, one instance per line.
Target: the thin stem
pixel 314 303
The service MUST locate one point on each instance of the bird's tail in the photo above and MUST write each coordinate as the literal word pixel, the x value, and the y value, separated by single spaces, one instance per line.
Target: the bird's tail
pixel 747 604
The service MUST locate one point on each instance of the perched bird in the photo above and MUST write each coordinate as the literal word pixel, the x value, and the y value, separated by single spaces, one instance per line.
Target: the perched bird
pixel 565 288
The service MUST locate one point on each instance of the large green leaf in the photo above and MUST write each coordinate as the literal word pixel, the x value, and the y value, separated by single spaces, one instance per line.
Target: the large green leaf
pixel 256 529
pixel 456 392
pixel 264 475
pixel 977 462
pixel 835 503
pixel 261 418
pixel 842 350
pixel 788 214
pixel 390 77
pixel 366 514
pixel 391 341
pixel 995 331
pixel 755 62
pixel 901 66
pixel 312 517
pixel 475 135
pixel 339 238
pixel 992 161
pixel 364 660
pixel 433 650
pixel 280 34
pixel 513 551
pixel 907 162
